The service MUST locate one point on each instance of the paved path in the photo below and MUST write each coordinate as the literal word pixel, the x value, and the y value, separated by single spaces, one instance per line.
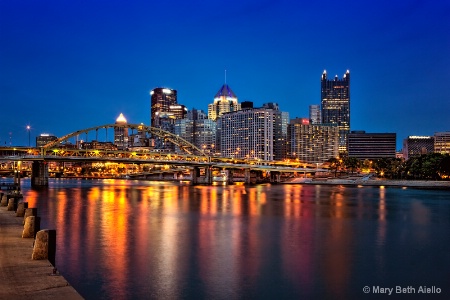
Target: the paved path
pixel 21 277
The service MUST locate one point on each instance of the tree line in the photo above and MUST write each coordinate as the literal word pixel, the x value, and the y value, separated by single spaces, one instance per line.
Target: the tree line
pixel 432 166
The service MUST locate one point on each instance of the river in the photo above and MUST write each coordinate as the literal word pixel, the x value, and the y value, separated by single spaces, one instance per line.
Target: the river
pixel 127 239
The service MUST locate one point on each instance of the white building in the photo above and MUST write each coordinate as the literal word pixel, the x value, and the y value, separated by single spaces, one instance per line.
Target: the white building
pixel 250 133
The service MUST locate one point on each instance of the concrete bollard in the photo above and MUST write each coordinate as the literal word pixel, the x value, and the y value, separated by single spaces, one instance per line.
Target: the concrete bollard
pixel 45 245
pixel 32 226
pixel 10 204
pixel 20 212
pixel 29 212
pixel 4 201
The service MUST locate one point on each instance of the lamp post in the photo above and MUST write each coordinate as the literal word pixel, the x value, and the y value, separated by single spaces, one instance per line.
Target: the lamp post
pixel 28 129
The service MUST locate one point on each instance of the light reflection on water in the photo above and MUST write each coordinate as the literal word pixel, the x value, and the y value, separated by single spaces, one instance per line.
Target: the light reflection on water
pixel 119 239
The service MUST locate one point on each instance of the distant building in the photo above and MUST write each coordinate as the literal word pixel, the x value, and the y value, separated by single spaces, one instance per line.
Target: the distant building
pixel 312 143
pixel 140 138
pixel 315 114
pixel 225 101
pixel 442 142
pixel 179 111
pixel 281 121
pixel 44 139
pixel 95 145
pixel 364 145
pixel 198 130
pixel 414 146
pixel 121 133
pixel 246 104
pixel 336 105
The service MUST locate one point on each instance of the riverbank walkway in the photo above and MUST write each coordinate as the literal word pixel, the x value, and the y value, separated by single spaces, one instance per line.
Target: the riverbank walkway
pixel 20 276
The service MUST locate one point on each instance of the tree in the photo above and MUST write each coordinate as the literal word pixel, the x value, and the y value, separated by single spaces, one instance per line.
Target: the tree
pixel 352 163
pixel 334 164
pixel 430 165
pixel 444 167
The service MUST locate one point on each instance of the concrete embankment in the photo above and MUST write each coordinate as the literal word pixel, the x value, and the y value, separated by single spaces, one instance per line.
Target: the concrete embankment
pixel 425 184
pixel 20 276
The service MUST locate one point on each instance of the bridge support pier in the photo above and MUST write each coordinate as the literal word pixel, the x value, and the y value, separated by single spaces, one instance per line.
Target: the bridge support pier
pixel 247 176
pixel 208 175
pixel 39 174
pixel 275 177
pixel 230 179
pixel 195 175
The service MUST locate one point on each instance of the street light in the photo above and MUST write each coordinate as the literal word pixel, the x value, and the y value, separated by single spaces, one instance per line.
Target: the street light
pixel 28 129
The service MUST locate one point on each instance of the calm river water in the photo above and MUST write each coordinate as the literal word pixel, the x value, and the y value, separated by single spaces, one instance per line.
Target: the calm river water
pixel 119 239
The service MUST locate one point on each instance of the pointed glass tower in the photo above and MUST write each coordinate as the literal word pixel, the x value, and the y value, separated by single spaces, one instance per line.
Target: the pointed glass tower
pixel 225 101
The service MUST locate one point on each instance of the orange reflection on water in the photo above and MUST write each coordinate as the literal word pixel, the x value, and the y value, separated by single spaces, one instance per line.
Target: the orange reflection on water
pixel 31 197
pixel 113 229
pixel 293 205
pixel 382 204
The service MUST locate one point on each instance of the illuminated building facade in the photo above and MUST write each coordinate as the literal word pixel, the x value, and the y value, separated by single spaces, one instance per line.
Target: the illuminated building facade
pixel 336 105
pixel 197 129
pixel 281 121
pixel 250 133
pixel 161 100
pixel 165 110
pixel 139 139
pixel 312 143
pixel 364 145
pixel 442 142
pixel 315 114
pixel 44 139
pixel 98 145
pixel 414 146
pixel 121 133
pixel 225 101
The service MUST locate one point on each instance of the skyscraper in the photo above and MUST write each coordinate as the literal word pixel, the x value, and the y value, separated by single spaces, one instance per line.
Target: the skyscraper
pixel 164 111
pixel 225 101
pixel 121 133
pixel 161 100
pixel 315 114
pixel 197 129
pixel 253 133
pixel 336 105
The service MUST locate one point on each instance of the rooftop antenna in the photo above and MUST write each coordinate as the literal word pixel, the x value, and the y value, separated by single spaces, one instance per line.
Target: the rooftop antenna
pixel 225 76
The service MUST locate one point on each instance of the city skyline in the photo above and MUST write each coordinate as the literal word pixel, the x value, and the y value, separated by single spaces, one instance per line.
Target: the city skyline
pixel 70 66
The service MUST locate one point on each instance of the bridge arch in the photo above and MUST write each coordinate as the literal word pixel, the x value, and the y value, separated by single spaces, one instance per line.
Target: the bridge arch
pixel 168 136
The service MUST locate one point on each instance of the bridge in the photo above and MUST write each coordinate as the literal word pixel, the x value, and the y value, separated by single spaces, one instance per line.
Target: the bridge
pixel 187 155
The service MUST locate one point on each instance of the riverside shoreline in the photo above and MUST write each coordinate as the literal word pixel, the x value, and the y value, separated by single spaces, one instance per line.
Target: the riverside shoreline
pixel 20 276
pixel 424 184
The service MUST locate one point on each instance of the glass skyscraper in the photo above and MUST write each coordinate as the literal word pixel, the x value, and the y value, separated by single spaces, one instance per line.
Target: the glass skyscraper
pixel 336 105
pixel 161 100
pixel 225 101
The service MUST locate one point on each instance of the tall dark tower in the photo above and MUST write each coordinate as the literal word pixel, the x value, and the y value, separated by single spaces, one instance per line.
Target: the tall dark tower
pixel 336 106
pixel 161 100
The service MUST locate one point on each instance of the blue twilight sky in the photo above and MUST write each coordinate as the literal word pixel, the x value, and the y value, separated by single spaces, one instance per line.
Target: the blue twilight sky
pixel 70 65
